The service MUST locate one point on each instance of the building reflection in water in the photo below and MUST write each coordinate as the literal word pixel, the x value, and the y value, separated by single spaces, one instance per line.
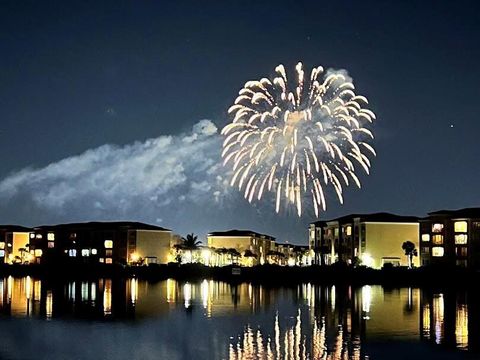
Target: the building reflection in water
pixel 328 322
pixel 447 318
pixel 329 327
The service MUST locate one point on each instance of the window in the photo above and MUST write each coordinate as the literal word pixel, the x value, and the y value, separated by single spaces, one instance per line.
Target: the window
pixel 38 252
pixel 460 226
pixel 335 232
pixel 425 250
pixel 460 239
pixel 38 236
pixel 2 245
pixel 108 260
pixel 438 251
pixel 101 260
pixel 425 237
pixel 2 253
pixel 461 250
pixel 73 236
pixel 437 239
pixel 94 251
pixel 51 244
pixel 462 263
pixel 436 228
pixel 50 236
pixel 85 252
pixel 72 252
pixel 349 231
pixel 108 244
pixel 108 252
pixel 32 235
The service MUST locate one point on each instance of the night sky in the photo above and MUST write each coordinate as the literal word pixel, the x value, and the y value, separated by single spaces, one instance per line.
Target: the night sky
pixel 74 77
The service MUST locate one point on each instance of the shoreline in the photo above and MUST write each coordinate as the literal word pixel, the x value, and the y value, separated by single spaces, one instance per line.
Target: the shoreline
pixel 268 275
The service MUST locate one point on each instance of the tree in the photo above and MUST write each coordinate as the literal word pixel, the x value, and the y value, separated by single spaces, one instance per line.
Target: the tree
pixel 234 255
pixel 250 255
pixel 190 243
pixel 410 252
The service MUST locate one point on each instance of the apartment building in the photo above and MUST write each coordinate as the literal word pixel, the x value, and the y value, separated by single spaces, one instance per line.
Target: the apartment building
pixel 370 239
pixel 451 237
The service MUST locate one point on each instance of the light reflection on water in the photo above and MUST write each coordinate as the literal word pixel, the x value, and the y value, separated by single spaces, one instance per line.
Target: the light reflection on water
pixel 254 322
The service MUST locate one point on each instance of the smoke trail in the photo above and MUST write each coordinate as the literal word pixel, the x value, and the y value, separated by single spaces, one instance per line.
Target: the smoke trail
pixel 137 180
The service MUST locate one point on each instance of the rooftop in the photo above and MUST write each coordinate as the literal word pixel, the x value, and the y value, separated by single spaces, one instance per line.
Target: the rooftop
pixel 104 225
pixel 235 232
pixel 459 213
pixel 14 228
pixel 373 217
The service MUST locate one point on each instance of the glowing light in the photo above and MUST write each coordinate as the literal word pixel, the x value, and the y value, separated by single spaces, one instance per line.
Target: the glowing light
pixel 187 294
pixel 366 300
pixel 206 254
pixel 294 142
pixel 367 260
pixel 134 257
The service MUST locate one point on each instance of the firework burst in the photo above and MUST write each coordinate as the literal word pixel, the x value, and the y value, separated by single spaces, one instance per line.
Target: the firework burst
pixel 297 140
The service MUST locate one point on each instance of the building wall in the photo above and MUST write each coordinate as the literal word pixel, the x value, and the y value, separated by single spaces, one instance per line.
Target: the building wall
pixel 386 239
pixel 20 239
pixel 153 243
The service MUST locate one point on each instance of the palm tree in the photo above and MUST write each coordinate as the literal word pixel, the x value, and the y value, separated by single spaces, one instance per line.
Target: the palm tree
pixel 190 243
pixel 234 255
pixel 410 252
pixel 251 255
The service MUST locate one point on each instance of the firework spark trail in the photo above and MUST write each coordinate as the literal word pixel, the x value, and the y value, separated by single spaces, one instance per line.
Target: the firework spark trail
pixel 296 141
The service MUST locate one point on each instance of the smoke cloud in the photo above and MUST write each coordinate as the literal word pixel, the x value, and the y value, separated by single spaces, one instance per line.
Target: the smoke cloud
pixel 156 180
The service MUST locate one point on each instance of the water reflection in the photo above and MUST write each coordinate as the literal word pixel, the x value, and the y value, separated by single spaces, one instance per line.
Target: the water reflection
pixel 256 322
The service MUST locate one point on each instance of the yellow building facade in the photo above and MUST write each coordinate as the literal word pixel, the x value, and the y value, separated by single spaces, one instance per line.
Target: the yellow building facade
pixel 253 247
pixel 373 240
pixel 152 246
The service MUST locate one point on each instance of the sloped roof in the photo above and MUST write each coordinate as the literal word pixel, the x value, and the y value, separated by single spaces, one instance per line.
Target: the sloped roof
pixel 473 212
pixel 104 225
pixel 14 228
pixel 235 232
pixel 373 217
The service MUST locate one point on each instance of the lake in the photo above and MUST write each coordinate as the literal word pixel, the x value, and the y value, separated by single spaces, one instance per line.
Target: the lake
pixel 135 319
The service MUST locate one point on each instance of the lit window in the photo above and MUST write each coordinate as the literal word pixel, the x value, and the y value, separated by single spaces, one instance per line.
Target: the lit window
pixel 335 231
pixel 108 252
pixel 349 230
pixel 50 236
pixel 94 251
pixel 425 250
pixel 101 260
pixel 38 252
pixel 436 228
pixel 461 239
pixel 437 239
pixel 108 244
pixel 437 251
pixel 38 236
pixel 2 253
pixel 108 260
pixel 461 251
pixel 460 226
pixel 32 235
pixel 425 237
pixel 2 245
pixel 85 252
pixel 51 244
pixel 72 252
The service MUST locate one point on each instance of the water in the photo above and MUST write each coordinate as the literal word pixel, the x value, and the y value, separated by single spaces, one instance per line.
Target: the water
pixel 133 319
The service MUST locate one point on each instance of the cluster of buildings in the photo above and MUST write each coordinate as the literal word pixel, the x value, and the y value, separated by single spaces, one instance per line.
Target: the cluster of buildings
pixel 135 243
pixel 444 237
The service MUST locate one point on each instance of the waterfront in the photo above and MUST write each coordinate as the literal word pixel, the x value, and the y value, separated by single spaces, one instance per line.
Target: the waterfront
pixel 134 319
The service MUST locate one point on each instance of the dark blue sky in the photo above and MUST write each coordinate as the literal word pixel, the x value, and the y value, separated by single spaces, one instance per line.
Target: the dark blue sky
pixel 76 76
